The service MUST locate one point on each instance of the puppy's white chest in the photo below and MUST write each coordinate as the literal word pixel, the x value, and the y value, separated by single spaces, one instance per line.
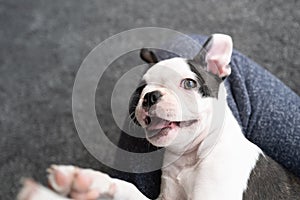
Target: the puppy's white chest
pixel 181 177
pixel 187 179
pixel 178 185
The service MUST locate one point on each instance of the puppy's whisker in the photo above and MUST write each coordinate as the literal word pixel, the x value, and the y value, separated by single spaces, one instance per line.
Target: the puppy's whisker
pixel 132 120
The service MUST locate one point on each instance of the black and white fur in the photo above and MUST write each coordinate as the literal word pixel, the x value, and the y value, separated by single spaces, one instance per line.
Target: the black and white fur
pixel 234 168
pixel 175 104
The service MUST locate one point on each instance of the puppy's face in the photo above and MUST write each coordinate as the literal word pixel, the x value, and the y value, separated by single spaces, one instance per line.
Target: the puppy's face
pixel 174 102
pixel 170 105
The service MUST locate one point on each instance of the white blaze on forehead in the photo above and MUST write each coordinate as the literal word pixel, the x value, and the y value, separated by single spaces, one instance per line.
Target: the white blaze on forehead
pixel 176 103
pixel 171 70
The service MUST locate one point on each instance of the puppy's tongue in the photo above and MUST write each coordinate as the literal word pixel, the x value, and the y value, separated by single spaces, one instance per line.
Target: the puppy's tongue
pixel 158 123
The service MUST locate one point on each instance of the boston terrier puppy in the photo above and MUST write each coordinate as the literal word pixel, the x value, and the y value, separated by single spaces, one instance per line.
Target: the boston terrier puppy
pixel 181 104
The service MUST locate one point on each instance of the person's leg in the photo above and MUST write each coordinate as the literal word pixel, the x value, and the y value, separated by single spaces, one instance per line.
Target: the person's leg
pixel 147 183
pixel 268 112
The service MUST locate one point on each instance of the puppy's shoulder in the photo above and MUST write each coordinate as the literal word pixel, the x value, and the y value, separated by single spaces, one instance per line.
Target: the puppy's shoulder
pixel 269 180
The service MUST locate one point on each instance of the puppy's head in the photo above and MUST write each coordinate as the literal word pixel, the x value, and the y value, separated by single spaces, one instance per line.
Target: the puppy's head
pixel 174 101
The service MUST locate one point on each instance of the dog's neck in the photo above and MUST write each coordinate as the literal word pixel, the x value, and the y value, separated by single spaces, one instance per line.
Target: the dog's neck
pixel 229 134
pixel 228 162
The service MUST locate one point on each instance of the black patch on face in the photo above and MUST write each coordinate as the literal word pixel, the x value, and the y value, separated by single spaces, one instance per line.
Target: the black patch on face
pixel 209 83
pixel 269 180
pixel 200 57
pixel 134 99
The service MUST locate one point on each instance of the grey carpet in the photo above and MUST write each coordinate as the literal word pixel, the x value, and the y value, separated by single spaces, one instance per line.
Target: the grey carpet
pixel 44 42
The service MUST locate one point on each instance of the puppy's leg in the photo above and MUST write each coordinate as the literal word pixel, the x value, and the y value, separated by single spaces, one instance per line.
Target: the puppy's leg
pixel 33 191
pixel 89 184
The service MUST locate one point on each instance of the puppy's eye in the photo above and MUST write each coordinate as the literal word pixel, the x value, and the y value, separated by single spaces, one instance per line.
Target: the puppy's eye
pixel 188 83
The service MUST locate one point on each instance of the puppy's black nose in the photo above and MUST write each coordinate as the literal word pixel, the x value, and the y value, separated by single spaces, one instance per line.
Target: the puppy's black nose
pixel 151 98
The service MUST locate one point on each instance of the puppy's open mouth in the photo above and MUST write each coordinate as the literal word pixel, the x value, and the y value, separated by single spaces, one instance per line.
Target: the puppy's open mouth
pixel 158 126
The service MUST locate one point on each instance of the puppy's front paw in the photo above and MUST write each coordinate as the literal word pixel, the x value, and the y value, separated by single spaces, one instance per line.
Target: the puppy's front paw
pixel 34 191
pixel 81 183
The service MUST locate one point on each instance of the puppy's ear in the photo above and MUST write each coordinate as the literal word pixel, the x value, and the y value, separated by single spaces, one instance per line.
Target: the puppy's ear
pixel 148 56
pixel 216 55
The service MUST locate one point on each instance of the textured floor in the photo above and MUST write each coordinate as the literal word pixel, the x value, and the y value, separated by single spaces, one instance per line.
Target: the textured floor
pixel 44 42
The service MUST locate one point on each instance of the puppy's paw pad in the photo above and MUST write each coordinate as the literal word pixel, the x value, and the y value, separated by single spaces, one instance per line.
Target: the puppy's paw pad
pixel 93 184
pixel 60 178
pixel 80 183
